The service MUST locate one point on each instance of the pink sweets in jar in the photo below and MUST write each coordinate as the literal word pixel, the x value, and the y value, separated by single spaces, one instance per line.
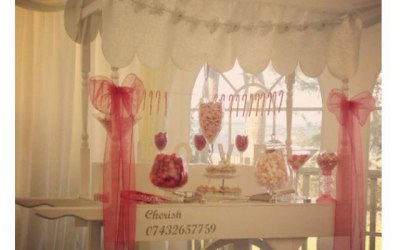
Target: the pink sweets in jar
pixel 271 170
pixel 168 171
pixel 297 160
pixel 210 117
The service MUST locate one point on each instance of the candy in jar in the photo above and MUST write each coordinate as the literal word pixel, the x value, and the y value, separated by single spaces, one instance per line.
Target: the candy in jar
pixel 168 171
pixel 271 170
pixel 199 142
pixel 210 117
pixel 241 142
pixel 160 140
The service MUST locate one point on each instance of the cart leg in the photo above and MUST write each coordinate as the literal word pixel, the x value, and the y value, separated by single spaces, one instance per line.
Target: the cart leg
pixel 94 235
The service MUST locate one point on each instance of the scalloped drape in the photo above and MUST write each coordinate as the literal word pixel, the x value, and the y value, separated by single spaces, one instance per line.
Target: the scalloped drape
pixel 42 5
pixel 129 32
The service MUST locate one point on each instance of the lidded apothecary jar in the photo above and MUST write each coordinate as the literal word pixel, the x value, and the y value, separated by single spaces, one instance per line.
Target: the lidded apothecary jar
pixel 271 169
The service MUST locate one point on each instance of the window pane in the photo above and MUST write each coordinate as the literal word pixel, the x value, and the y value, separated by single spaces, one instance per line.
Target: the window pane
pixel 306 126
pixel 374 202
pixel 307 91
pixel 375 140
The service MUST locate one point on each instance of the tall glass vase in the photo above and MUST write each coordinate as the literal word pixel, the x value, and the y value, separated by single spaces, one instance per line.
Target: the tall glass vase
pixel 326 162
pixel 199 143
pixel 241 143
pixel 210 118
pixel 160 140
pixel 272 172
pixel 326 188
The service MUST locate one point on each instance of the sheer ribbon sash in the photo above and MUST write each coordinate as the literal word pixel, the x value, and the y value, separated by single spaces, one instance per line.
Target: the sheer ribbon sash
pixel 120 104
pixel 350 209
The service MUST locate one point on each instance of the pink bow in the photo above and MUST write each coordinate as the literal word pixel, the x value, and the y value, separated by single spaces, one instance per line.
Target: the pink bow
pixel 349 207
pixel 120 104
pixel 358 107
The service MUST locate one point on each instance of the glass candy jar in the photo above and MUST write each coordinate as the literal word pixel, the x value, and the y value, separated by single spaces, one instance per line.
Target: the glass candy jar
pixel 271 170
pixel 168 172
pixel 210 118
pixel 160 140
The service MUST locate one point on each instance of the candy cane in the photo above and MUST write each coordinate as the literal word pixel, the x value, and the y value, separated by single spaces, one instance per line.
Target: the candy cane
pixel 144 100
pixel 272 96
pixel 158 100
pixel 215 97
pixel 222 99
pixel 245 101
pixel 251 103
pixel 166 103
pixel 151 100
pixel 280 104
pixel 237 106
pixel 231 97
pixel 263 104
pixel 258 96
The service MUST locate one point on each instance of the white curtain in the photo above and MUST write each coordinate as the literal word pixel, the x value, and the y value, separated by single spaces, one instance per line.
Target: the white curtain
pixel 48 124
pixel 47 127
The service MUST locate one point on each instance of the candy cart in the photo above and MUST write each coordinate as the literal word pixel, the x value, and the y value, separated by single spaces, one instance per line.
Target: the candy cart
pixel 120 202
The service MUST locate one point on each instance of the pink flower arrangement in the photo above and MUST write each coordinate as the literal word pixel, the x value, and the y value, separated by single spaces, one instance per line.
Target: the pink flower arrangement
pixel 160 140
pixel 199 142
pixel 327 162
pixel 241 142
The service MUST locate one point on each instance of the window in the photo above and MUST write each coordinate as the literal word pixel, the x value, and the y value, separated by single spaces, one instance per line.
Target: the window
pixel 307 109
pixel 374 180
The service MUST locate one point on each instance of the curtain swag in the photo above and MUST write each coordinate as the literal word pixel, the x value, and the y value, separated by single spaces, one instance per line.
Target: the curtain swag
pixel 42 5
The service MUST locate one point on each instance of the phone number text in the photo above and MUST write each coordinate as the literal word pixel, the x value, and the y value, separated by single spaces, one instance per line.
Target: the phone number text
pixel 188 229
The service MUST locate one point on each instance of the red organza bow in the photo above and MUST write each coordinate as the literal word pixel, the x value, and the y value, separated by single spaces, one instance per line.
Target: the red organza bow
pixel 120 104
pixel 349 210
